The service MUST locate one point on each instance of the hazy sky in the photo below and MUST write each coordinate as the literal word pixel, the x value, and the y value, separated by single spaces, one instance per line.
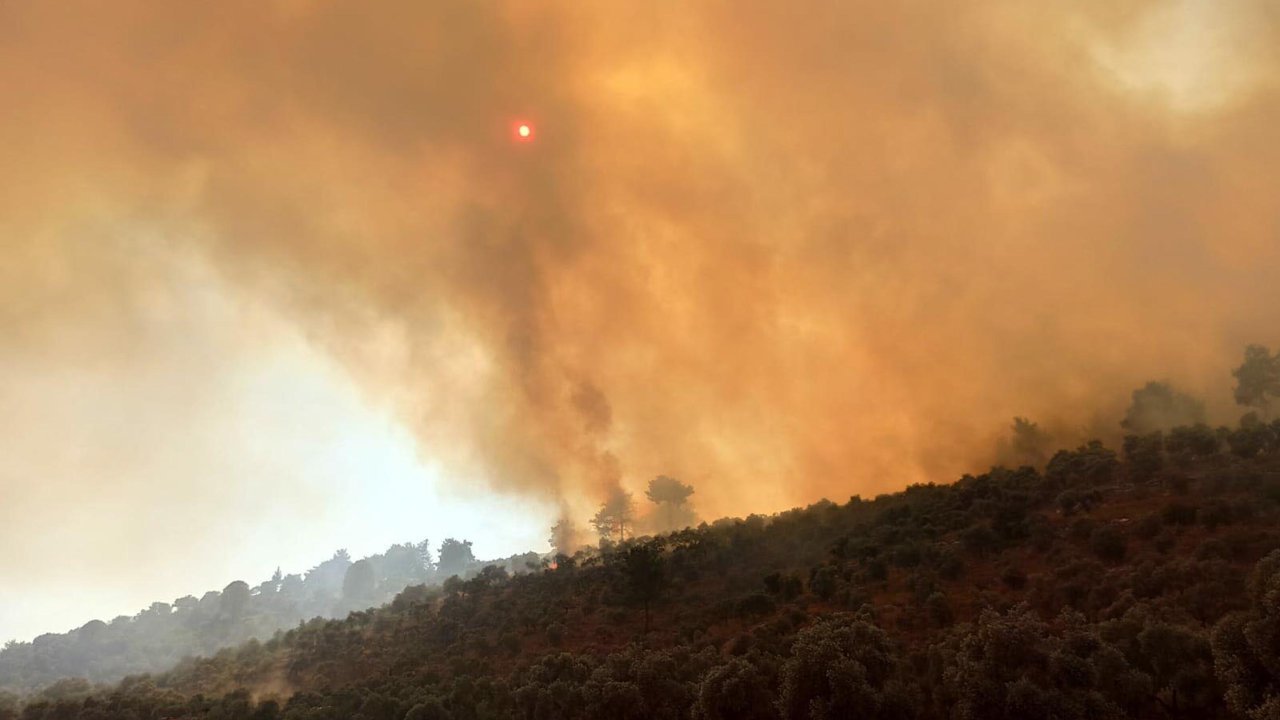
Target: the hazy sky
pixel 277 278
pixel 227 447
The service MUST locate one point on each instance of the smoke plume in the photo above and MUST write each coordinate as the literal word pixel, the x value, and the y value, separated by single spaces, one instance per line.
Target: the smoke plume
pixel 777 250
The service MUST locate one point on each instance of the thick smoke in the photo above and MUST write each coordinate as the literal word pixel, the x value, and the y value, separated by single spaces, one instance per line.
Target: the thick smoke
pixel 777 250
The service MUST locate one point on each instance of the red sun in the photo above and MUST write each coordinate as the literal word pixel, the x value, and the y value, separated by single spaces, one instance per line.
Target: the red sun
pixel 522 131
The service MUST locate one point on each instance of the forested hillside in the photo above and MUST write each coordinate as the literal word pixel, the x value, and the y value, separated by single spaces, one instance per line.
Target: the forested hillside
pixel 1138 583
pixel 1095 582
pixel 158 637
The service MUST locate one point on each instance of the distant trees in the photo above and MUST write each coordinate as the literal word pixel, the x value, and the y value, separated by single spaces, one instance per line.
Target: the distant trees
pixel 564 535
pixel 1090 464
pixel 1253 437
pixel 329 574
pixel 235 599
pixel 1190 442
pixel 1158 406
pixel 159 636
pixel 1258 379
pixel 406 564
pixel 1027 444
pixel 671 498
pixel 1144 455
pixel 455 557
pixel 615 518
pixel 359 584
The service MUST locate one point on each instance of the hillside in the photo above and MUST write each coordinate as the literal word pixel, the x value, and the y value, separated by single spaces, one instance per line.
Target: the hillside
pixel 1142 583
pixel 164 633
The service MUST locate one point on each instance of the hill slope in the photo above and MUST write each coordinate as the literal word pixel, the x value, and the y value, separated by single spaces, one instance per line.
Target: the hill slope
pixel 158 637
pixel 1137 586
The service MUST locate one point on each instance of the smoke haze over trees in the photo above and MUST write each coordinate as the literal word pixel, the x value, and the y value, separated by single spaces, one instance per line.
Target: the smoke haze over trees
pixel 1159 406
pixel 1258 380
pixel 775 251
pixel 158 637
pixel 1100 588
pixel 742 246
pixel 672 510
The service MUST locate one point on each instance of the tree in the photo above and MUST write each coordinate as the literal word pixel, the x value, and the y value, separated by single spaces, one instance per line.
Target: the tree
pixel 1258 379
pixel 672 500
pixel 404 565
pixel 564 535
pixel 1108 543
pixel 666 489
pixel 823 581
pixel 359 583
pixel 1188 443
pixel 1252 438
pixel 455 557
pixel 1012 666
pixel 1144 455
pixel 1158 406
pixel 234 600
pixel 1090 464
pixel 840 667
pixel 1027 445
pixel 646 577
pixel 1179 663
pixel 737 690
pixel 1246 646
pixel 615 517
pixel 939 608
pixel 430 709
pixel 328 575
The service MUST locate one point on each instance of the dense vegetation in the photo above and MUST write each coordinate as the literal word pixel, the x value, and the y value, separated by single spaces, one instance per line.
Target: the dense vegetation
pixel 1143 582
pixel 161 635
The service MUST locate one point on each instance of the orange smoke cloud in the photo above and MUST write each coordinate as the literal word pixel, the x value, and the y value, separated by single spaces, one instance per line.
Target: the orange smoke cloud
pixel 777 251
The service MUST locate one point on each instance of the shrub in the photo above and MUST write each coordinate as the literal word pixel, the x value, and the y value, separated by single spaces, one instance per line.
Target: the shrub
pixel 979 539
pixel 1079 499
pixel 1144 455
pixel 877 570
pixel 1108 543
pixel 1216 513
pixel 555 634
pixel 950 566
pixel 1187 443
pixel 787 587
pixel 756 604
pixel 1014 577
pixel 940 609
pixel 823 581
pixel 1082 529
pixel 1179 514
pixel 1148 526
pixel 1212 549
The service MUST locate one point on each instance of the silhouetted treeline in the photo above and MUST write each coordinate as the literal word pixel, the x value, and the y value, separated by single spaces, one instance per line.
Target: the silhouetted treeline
pixel 158 637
